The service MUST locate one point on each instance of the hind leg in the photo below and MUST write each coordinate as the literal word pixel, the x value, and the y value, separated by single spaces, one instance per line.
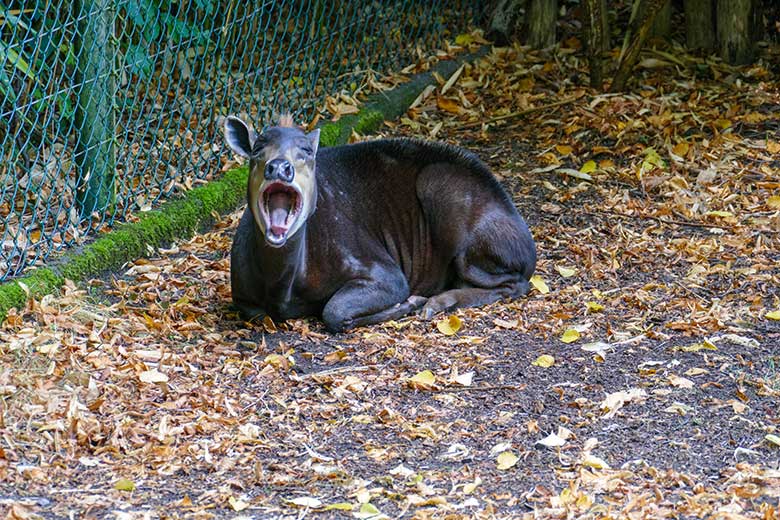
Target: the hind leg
pixel 492 249
pixel 492 268
pixel 495 263
pixel 471 297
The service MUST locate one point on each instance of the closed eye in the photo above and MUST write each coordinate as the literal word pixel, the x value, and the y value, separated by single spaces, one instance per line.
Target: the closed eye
pixel 304 154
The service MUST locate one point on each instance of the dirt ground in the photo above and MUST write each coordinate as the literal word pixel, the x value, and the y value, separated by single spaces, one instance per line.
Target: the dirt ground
pixel 640 378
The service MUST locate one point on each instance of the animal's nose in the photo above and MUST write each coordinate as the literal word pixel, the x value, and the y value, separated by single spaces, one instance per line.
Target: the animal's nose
pixel 279 169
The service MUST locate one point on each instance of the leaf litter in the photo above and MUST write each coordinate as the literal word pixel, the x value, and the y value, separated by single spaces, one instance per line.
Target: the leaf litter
pixel 657 226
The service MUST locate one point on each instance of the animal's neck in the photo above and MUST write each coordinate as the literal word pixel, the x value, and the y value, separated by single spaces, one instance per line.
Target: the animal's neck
pixel 283 265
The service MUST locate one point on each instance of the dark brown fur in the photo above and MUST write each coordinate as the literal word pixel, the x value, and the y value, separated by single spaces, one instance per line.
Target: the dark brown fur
pixel 399 225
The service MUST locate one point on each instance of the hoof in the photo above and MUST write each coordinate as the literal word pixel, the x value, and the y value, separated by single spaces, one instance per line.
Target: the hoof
pixel 427 313
pixel 416 301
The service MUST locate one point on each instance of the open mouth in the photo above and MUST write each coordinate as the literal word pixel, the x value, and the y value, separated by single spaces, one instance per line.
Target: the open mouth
pixel 280 205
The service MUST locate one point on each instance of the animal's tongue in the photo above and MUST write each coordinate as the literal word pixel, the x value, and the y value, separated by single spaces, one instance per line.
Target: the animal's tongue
pixel 279 206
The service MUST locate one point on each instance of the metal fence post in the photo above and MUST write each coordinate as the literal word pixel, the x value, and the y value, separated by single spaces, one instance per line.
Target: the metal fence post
pixel 95 158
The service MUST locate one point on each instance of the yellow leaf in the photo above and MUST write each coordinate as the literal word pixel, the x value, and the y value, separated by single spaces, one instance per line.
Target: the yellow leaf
pixel 594 307
pixel 339 506
pixel 463 39
pixel 152 376
pixel 722 214
pixel 594 462
pixel 423 380
pixel 651 161
pixel 539 284
pixel 369 508
pixel 237 504
pixel 449 326
pixel 588 167
pixel 680 149
pixel 544 361
pixel 584 501
pixel 723 123
pixel 506 460
pixel 566 272
pixel 773 202
pixel 563 149
pixel 774 439
pixel 278 361
pixel 448 105
pixel 472 486
pixel 695 347
pixel 124 484
pixel 772 146
pixel 773 315
pixel 570 336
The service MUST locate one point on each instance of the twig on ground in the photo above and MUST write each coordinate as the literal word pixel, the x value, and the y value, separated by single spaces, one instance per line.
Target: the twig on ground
pixel 334 371
pixel 481 388
pixel 521 113
pixel 688 223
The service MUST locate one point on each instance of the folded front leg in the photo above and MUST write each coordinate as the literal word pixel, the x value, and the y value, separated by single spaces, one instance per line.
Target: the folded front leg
pixel 366 301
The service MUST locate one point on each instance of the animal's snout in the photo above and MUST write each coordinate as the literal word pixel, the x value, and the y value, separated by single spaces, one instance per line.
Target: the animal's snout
pixel 279 170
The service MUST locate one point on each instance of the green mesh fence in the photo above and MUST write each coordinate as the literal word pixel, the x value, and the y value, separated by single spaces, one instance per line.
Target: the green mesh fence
pixel 107 106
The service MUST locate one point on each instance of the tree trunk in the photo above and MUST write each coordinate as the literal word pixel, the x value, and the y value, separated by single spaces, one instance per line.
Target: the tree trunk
pixel 542 17
pixel 503 22
pixel 638 32
pixel 735 31
pixel 699 24
pixel 597 38
pixel 662 25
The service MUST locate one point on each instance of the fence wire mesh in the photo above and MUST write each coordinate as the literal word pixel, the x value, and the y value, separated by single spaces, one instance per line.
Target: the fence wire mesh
pixel 108 106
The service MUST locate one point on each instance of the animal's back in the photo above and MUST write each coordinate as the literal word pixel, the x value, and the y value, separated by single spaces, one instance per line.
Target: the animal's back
pixel 421 202
pixel 400 159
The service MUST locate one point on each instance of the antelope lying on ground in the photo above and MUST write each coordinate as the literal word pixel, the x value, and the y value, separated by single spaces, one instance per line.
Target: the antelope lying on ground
pixel 369 232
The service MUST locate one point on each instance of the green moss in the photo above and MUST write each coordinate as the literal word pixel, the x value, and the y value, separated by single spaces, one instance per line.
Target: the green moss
pixel 329 134
pixel 39 282
pixel 369 120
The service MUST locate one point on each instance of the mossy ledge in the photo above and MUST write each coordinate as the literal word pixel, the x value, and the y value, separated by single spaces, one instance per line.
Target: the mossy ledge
pixel 181 218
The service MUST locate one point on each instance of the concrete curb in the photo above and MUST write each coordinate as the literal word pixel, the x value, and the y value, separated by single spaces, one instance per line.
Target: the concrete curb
pixel 183 217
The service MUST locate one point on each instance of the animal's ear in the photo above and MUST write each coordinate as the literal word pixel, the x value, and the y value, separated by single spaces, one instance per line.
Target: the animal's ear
pixel 314 138
pixel 239 136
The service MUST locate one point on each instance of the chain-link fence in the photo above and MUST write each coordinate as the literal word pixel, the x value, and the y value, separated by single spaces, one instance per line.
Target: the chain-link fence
pixel 107 106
